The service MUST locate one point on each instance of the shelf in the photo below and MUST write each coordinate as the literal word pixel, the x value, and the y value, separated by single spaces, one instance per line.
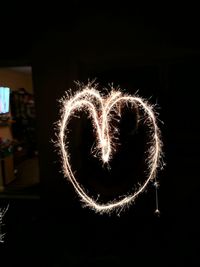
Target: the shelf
pixel 6 123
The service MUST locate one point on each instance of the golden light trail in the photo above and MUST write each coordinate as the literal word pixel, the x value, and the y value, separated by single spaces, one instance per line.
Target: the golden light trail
pixel 2 213
pixel 101 110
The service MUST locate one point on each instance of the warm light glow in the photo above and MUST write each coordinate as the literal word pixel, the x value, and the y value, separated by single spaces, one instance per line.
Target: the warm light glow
pixel 101 110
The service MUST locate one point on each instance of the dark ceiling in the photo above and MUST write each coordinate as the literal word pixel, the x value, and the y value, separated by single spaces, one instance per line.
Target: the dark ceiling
pixel 23 26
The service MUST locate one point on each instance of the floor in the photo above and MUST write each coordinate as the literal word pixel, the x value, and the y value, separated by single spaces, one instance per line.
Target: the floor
pixel 40 235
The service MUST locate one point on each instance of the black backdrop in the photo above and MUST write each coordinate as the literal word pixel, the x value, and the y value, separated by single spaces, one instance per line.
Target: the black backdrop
pixel 155 52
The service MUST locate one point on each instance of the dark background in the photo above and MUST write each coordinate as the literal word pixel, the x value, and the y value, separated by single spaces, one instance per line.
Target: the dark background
pixel 154 49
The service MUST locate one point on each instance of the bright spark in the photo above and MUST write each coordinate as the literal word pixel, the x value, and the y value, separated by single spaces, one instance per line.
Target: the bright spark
pixel 101 110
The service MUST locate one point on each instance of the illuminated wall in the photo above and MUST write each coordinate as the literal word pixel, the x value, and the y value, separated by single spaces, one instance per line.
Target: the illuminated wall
pixel 16 79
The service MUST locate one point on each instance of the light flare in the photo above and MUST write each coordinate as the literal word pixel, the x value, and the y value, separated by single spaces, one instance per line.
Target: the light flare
pixel 101 109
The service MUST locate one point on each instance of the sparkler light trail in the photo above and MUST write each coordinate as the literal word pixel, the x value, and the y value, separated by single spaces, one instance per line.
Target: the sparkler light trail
pixel 2 213
pixel 101 110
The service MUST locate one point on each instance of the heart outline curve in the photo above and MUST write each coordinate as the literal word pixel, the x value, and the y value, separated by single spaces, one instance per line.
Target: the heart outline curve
pixel 85 98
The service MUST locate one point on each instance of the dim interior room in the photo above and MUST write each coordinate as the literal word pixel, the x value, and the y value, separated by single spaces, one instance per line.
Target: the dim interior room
pixel 19 163
pixel 145 52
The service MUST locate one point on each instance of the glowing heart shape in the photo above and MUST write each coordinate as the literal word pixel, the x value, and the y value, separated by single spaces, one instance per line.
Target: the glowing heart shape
pixel 100 109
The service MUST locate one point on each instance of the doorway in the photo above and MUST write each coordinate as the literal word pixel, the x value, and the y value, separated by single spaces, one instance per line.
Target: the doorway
pixel 19 171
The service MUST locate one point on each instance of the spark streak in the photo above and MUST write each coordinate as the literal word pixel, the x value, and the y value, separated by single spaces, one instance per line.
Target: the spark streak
pixel 2 213
pixel 101 110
